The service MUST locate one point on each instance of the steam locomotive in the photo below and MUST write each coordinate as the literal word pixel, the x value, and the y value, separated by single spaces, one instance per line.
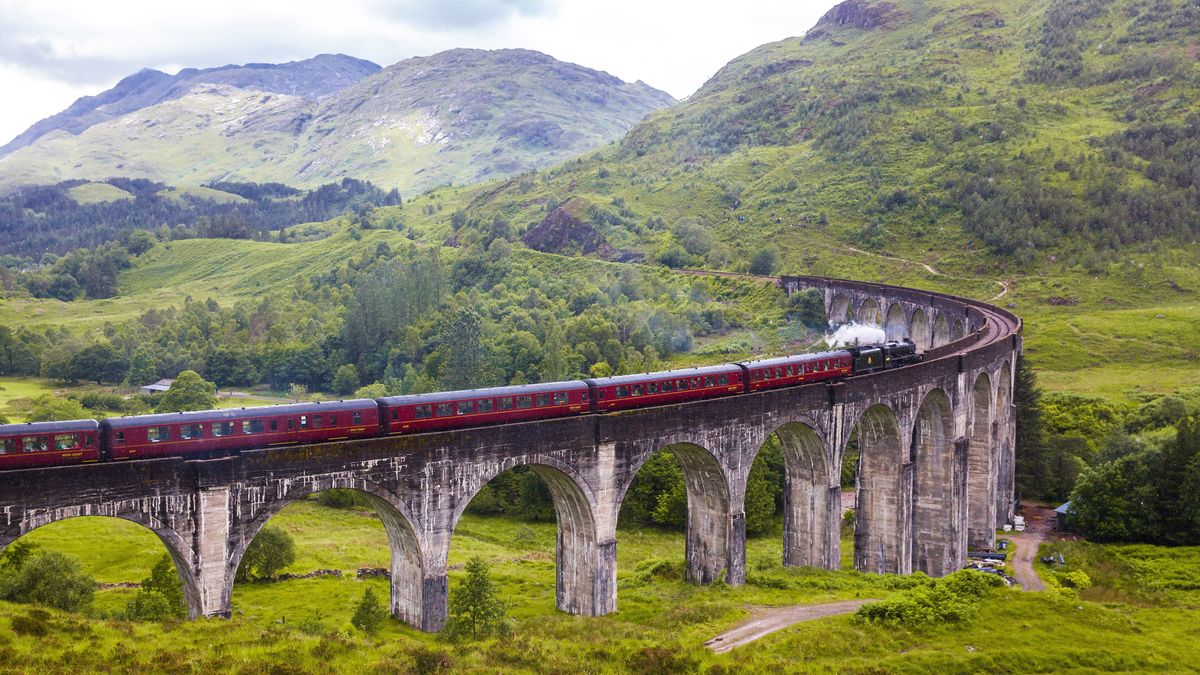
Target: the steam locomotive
pixel 217 432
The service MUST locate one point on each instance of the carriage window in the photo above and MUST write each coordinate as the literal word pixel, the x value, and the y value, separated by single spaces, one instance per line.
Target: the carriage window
pixel 156 434
pixel 35 443
pixel 274 425
pixel 252 427
pixel 355 417
pixel 466 407
pixel 421 412
pixel 333 420
pixel 484 406
pixel 652 388
pixel 668 386
pixel 600 394
pixel 120 438
pixel 316 421
pixel 524 401
pixel 304 421
pixel 506 403
pixel 542 399
pixel 722 379
pixel 808 368
pixel 708 381
pixel 222 429
pixel 820 366
pixel 66 441
pixel 622 392
pixel 8 446
pixel 291 424
pixel 637 390
pixel 191 431
pixel 396 412
pixel 788 371
pixel 560 398
pixel 89 440
pixel 445 409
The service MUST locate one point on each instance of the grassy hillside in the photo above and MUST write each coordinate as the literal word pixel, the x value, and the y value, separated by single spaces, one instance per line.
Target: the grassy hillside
pixel 302 625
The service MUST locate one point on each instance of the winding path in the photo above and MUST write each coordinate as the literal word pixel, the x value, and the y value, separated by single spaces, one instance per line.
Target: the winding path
pixel 778 618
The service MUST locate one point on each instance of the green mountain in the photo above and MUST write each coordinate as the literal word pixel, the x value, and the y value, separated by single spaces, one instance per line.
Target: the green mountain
pixel 1020 127
pixel 455 117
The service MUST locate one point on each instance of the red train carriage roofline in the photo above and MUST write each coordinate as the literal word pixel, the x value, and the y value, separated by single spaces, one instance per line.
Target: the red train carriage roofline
pixel 489 392
pixel 723 369
pixel 32 428
pixel 796 358
pixel 239 413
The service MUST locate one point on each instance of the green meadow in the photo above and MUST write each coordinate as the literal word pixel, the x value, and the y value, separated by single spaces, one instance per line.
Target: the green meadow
pixel 302 625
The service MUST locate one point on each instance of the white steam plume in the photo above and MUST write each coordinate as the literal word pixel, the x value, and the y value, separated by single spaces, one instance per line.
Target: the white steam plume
pixel 855 334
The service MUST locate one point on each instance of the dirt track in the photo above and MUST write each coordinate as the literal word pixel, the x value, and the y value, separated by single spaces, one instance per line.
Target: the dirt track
pixel 771 620
pixel 1038 520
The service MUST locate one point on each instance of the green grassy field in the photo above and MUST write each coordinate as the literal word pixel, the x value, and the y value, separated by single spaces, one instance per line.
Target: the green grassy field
pixel 302 625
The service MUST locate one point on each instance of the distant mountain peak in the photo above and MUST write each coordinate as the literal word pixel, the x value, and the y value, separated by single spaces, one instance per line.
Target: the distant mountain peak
pixel 316 77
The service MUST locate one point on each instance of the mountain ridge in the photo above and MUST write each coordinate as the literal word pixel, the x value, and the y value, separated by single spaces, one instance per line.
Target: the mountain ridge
pixel 148 87
pixel 458 116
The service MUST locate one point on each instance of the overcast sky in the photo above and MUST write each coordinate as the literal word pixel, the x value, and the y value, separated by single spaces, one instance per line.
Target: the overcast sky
pixel 54 51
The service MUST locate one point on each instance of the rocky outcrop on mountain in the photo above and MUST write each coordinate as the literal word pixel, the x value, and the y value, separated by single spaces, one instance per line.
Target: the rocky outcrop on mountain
pixel 315 78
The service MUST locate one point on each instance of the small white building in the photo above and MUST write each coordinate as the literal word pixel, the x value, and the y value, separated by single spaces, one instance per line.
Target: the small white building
pixel 158 387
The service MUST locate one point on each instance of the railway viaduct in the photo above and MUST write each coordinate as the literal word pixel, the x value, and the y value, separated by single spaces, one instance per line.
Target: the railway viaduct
pixel 935 472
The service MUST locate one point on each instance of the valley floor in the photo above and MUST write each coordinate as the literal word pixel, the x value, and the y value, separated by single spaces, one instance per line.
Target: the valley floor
pixel 302 625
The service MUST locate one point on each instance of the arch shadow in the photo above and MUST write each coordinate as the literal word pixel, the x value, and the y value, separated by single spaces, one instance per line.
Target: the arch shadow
pixel 936 517
pixel 811 499
pixel 941 331
pixel 177 547
pixel 714 544
pixel 880 506
pixel 584 583
pixel 895 326
pixel 981 467
pixel 408 566
pixel 920 330
pixel 839 309
pixel 869 312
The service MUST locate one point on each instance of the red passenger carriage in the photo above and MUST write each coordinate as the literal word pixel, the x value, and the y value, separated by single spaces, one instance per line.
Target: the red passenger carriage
pixel 667 386
pixel 787 371
pixel 474 407
pixel 24 446
pixel 218 431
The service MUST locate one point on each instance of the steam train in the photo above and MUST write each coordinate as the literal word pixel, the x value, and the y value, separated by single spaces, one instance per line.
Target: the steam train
pixel 217 432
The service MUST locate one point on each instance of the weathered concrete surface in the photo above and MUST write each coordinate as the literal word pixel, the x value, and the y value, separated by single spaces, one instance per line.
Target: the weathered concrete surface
pixel 935 468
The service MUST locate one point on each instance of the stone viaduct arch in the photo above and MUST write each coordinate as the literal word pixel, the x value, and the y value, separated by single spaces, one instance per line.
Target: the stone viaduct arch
pixel 936 468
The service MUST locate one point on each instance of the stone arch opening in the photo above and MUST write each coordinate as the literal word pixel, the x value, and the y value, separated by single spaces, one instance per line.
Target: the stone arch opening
pixel 106 533
pixel 941 331
pixel 704 507
pixel 405 562
pixel 920 330
pixel 1002 443
pixel 958 330
pixel 811 499
pixel 582 585
pixel 936 531
pixel 880 544
pixel 869 313
pixel 981 479
pixel 895 326
pixel 839 309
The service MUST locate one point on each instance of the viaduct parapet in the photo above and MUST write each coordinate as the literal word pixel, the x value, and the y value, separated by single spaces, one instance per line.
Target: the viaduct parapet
pixel 935 472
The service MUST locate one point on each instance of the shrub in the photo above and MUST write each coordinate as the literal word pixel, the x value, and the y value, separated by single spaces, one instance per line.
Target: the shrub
pixel 1078 579
pixel 664 660
pixel 429 661
pixel 160 595
pixel 953 599
pixel 269 552
pixel 50 578
pixel 369 615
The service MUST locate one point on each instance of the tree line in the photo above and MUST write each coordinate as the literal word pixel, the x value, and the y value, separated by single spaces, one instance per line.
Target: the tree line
pixel 1131 472
pixel 46 218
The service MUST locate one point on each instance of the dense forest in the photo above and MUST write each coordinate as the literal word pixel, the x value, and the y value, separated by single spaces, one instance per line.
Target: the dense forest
pixel 48 218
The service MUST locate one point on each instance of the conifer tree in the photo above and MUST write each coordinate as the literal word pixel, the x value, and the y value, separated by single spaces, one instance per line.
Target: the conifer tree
pixel 475 606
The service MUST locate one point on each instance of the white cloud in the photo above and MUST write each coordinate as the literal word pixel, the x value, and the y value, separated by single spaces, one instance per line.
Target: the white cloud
pixel 54 51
